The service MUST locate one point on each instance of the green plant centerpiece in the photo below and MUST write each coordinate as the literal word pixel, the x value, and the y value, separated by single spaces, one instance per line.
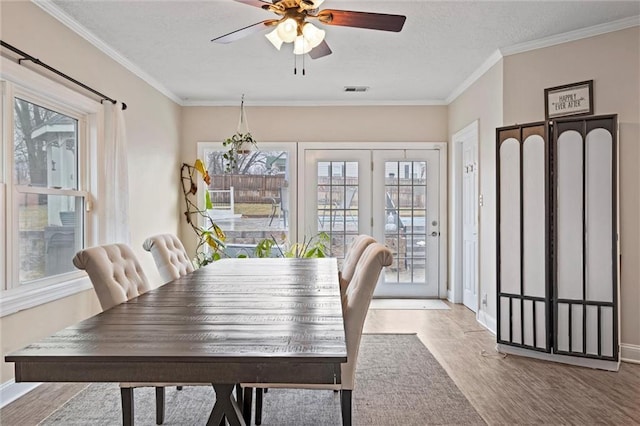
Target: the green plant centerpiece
pixel 236 145
pixel 316 246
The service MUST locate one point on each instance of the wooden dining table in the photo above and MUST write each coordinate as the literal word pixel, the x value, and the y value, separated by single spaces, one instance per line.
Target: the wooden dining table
pixel 234 321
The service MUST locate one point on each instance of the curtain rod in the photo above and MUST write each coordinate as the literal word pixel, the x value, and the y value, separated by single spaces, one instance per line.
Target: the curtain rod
pixel 27 57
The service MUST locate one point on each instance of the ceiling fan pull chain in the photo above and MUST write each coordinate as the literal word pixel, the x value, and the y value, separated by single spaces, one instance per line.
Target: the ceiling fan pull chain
pixel 303 69
pixel 295 64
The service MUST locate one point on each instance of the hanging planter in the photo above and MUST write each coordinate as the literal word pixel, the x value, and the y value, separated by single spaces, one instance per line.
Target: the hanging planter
pixel 241 143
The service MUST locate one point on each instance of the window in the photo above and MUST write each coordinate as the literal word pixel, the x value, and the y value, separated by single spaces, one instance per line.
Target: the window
pixel 47 201
pixel 252 203
pixel 44 187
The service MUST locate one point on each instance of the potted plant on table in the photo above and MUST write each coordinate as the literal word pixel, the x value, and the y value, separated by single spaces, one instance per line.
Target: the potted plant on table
pixel 316 246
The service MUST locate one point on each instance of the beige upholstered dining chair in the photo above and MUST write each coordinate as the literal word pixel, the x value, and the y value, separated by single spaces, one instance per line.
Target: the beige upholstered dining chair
pixel 169 255
pixel 117 277
pixel 355 305
pixel 358 245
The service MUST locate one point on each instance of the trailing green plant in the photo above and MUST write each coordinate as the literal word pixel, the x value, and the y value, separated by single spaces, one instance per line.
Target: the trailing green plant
pixel 316 246
pixel 210 236
pixel 236 145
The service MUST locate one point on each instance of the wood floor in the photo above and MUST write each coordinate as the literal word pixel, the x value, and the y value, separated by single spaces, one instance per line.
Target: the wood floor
pixel 504 390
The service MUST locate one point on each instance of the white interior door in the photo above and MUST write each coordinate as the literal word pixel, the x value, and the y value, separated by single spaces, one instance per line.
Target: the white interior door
pixel 470 223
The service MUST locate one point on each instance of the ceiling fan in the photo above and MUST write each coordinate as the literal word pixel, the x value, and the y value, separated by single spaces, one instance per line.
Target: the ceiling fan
pixel 292 25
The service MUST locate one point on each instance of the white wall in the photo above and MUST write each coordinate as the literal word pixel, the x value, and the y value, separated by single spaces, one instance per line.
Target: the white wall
pixel 311 124
pixel 482 101
pixel 153 126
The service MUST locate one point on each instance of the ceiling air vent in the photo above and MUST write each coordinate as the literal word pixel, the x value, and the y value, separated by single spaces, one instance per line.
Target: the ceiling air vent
pixel 355 88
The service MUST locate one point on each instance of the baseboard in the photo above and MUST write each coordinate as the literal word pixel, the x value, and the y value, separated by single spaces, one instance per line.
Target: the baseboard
pixel 10 391
pixel 450 295
pixel 487 321
pixel 630 353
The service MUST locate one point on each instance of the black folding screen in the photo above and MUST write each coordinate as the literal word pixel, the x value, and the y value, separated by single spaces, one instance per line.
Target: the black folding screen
pixel 524 296
pixel 557 236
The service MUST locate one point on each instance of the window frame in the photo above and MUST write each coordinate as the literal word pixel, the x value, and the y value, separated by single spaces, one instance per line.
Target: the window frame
pixel 20 82
pixel 290 147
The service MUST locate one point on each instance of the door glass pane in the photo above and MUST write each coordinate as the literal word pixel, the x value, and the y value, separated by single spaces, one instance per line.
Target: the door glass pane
pixel 404 219
pixel 45 147
pixel 252 203
pixel 50 234
pixel 337 203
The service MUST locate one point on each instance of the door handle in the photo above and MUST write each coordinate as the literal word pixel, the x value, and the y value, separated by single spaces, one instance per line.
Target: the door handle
pixel 435 234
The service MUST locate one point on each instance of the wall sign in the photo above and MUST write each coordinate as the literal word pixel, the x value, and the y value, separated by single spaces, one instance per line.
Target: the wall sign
pixel 569 100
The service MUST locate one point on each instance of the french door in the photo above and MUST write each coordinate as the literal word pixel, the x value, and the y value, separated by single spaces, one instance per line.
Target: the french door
pixel 393 195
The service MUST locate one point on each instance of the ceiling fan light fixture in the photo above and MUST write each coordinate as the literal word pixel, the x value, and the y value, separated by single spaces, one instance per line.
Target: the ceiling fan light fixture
pixel 313 34
pixel 275 39
pixel 301 46
pixel 287 30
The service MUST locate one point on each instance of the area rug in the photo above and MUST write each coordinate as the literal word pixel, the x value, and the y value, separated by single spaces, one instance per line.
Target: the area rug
pixel 408 304
pixel 398 382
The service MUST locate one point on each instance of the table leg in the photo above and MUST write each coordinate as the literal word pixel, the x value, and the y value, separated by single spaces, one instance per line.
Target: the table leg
pixel 239 395
pixel 159 405
pixel 246 404
pixel 259 392
pixel 225 407
pixel 126 395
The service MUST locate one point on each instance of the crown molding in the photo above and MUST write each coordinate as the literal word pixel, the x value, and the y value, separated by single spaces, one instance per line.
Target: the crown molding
pixel 53 10
pixel 595 30
pixel 479 72
pixel 633 21
pixel 234 103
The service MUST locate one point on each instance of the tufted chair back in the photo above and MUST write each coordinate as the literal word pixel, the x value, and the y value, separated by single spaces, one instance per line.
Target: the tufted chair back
pixel 351 259
pixel 170 256
pixel 114 271
pixel 355 304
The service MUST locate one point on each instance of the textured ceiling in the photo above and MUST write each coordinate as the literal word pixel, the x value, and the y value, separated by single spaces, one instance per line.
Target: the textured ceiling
pixel 441 45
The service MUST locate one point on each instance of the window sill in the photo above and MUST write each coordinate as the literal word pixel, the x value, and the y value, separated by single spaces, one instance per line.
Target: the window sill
pixel 13 301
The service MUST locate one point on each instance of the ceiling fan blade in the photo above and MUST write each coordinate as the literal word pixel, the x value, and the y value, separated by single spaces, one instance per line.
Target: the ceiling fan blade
pixel 320 50
pixel 372 21
pixel 257 3
pixel 244 32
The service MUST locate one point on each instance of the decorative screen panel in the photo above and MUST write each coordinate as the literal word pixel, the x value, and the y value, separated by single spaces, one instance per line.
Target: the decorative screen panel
pixel 557 237
pixel 524 305
pixel 585 269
